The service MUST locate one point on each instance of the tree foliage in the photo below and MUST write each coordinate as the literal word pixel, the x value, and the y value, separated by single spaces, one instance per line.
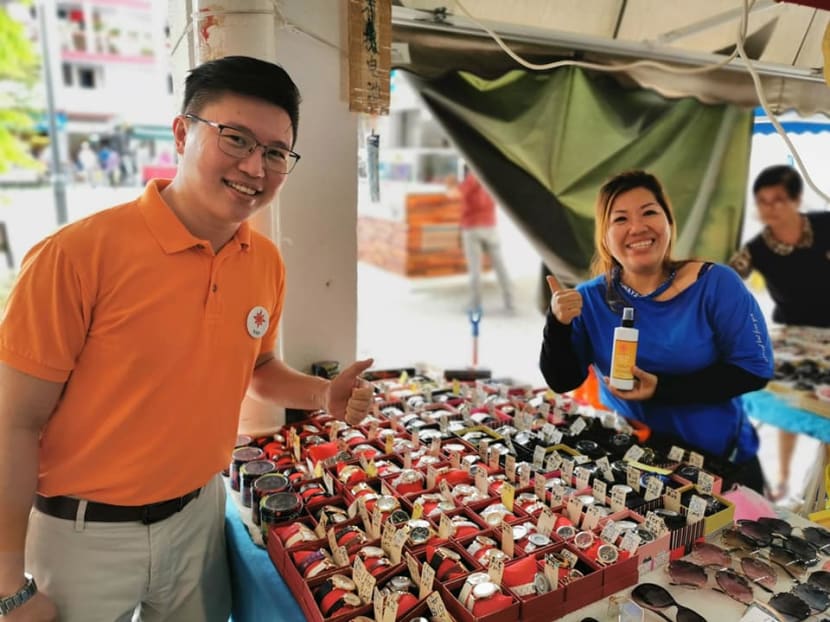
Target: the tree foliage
pixel 19 72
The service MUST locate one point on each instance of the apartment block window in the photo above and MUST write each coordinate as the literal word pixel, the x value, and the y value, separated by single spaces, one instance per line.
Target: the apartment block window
pixel 87 78
pixel 68 74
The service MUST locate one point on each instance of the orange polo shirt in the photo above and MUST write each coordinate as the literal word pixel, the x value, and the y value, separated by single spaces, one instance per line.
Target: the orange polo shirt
pixel 155 337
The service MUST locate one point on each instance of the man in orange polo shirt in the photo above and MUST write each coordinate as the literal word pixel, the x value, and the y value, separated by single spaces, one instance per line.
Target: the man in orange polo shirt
pixel 128 344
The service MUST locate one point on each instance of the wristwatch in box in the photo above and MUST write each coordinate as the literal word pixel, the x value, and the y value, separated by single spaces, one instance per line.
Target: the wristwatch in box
pixel 19 598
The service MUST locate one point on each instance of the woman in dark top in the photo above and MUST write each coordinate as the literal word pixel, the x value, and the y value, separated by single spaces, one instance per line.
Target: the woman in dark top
pixel 792 253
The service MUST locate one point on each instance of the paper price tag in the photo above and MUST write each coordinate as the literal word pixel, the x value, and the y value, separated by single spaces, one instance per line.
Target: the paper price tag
pixel 337 552
pixel 435 446
pixel 557 495
pixel 582 476
pixel 416 440
pixel 417 509
pixel 524 475
pixel 574 510
pixel 407 458
pixel 389 443
pixel 553 461
pixel 600 490
pixel 444 489
pixel 546 521
pixel 705 482
pixel 697 509
pixel 427 580
pixel 544 409
pixel 676 454
pixel 610 532
pixel 445 527
pixel 632 477
pixel 671 499
pixel 567 468
pixel 539 486
pixel 432 475
pixel 387 538
pixel 482 483
pixel 493 457
pixel 756 613
pixel 363 579
pixel 318 469
pixel 547 431
pixel 496 569
pixel 374 427
pixel 374 528
pixel 654 488
pixel 618 499
pixel 444 424
pixel 455 459
pixel 484 449
pixel 398 541
pixel 656 525
pixel 634 453
pixel 390 609
pixel 539 456
pixel 378 603
pixel 508 494
pixel 456 387
pixel 364 513
pixel 630 541
pixel 577 427
pixel 555 437
pixel 570 557
pixel 581 459
pixel 296 445
pixel 592 516
pixel 320 529
pixel 510 468
pixel 328 483
pixel 696 459
pixel 508 545
pixel 371 469
pixel 438 608
pixel 551 570
pixel 412 565
pixel 605 468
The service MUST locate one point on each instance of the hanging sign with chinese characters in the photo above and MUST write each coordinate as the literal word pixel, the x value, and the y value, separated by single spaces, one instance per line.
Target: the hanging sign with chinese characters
pixel 370 55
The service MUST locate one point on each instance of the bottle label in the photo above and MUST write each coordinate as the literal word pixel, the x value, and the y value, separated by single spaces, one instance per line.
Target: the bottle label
pixel 625 355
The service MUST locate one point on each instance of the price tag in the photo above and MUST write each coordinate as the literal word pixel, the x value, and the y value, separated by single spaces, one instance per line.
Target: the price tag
pixel 493 458
pixel 577 427
pixel 318 469
pixel 605 468
pixel 553 461
pixel 435 446
pixel 407 458
pixel 696 459
pixel 296 444
pixel 539 486
pixel 444 489
pixel 757 613
pixel 364 513
pixel 482 483
pixel 581 459
pixel 387 538
pixel 496 569
pixel 417 509
pixel 697 509
pixel 656 525
pixel 705 482
pixel 654 488
pixel 630 541
pixel 444 424
pixel 455 459
pixel 456 387
pixel 328 483
pixel 610 532
pixel 401 536
pixel 374 427
pixel 671 499
pixel 570 557
pixel 483 449
pixel 320 529
pixel 389 443
pixel 432 475
pixel 403 378
pixel 363 579
pixel 539 456
pixel 600 490
pixel 445 527
pixel 544 409
pixel 555 437
pixel 508 494
pixel 546 521
pixel 547 431
pixel 390 610
pixel 574 510
pixel 557 494
pixel 416 440
pixel 427 580
pixel 371 469
pixel 551 570
pixel 438 608
pixel 676 454
pixel 338 553
pixel 634 453
pixel 592 516
pixel 524 475
pixel 510 468
pixel 583 476
pixel 567 468
pixel 618 499
pixel 374 529
pixel 378 603
pixel 632 477
pixel 508 545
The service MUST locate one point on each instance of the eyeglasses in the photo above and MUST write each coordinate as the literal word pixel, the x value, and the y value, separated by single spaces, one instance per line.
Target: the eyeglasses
pixel 238 144
pixel 655 597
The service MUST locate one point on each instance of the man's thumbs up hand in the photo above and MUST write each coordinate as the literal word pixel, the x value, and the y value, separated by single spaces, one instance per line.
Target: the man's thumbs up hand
pixel 565 304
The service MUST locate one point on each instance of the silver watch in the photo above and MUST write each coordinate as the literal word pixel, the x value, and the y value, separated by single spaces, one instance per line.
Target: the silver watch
pixel 19 598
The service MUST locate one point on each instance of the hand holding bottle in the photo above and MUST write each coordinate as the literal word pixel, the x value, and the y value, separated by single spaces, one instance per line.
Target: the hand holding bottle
pixel 645 384
pixel 565 304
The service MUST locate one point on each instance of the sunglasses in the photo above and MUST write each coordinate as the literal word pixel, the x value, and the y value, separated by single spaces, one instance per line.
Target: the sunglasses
pixel 815 597
pixel 820 579
pixel 655 597
pixel 757 571
pixel 790 607
pixel 682 572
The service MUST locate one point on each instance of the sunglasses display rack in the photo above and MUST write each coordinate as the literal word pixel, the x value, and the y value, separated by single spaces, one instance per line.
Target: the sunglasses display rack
pixel 802 366
pixel 479 502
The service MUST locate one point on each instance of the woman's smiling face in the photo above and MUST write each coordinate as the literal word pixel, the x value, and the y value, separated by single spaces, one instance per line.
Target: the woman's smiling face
pixel 638 232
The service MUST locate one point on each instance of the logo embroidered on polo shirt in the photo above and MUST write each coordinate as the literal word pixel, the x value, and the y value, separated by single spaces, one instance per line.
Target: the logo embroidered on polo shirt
pixel 257 322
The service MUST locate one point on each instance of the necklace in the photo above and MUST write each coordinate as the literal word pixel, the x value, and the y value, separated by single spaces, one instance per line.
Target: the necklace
pixel 635 294
pixel 781 248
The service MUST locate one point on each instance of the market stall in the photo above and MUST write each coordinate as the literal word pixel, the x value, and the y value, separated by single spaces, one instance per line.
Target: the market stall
pixel 495 503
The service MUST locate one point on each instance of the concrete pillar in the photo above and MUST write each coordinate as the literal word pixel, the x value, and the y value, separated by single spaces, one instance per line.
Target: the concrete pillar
pixel 314 221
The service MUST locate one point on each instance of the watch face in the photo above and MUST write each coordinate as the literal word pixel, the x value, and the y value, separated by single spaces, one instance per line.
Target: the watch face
pixel 342 582
pixel 607 554
pixel 486 589
pixel 566 532
pixel 352 600
pixel 538 539
pixel 371 551
pixel 386 503
pixel 541 583
pixel 519 532
pixel 584 539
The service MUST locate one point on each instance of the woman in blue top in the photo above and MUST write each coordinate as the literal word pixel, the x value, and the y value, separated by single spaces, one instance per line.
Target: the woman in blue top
pixel 702 343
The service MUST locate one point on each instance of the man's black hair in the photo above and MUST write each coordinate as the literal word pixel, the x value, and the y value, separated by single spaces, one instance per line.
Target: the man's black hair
pixel 242 75
pixel 780 175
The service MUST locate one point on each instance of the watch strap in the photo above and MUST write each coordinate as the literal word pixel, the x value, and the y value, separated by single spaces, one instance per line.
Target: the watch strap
pixel 19 598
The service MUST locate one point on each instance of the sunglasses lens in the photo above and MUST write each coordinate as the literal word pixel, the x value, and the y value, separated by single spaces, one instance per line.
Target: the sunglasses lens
pixel 710 555
pixel 790 606
pixel 687 615
pixel 821 579
pixel 754 532
pixel 775 526
pixel 805 552
pixel 652 596
pixel 686 573
pixel 817 536
pixel 789 562
pixel 735 586
pixel 759 572
pixel 816 598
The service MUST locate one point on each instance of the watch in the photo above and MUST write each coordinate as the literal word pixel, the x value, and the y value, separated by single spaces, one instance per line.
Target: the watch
pixel 19 598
